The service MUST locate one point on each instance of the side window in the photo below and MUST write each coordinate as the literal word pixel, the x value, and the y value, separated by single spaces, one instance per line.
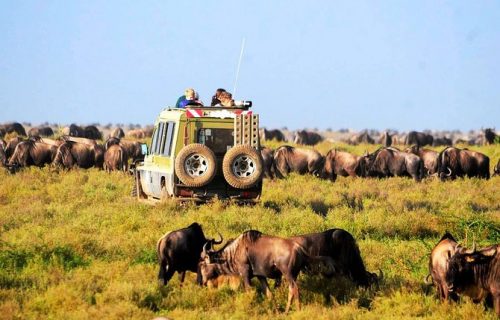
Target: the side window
pixel 155 139
pixel 169 137
pixel 160 138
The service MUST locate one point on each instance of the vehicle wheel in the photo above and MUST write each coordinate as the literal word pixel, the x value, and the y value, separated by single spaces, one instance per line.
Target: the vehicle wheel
pixel 195 165
pixel 242 167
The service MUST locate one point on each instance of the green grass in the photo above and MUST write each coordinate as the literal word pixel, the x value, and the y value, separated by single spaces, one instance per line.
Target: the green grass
pixel 74 245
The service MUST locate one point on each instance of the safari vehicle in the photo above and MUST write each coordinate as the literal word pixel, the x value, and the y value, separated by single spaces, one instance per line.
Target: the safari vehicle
pixel 200 153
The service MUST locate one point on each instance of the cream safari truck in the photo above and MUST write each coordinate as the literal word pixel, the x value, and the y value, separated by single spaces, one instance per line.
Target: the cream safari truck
pixel 199 153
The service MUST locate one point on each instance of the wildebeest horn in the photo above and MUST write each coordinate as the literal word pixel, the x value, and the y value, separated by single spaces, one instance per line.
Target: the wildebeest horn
pixel 449 172
pixel 220 241
pixel 380 275
pixel 205 249
pixel 426 279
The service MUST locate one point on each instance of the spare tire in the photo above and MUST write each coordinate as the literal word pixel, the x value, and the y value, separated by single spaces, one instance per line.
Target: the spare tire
pixel 195 165
pixel 242 166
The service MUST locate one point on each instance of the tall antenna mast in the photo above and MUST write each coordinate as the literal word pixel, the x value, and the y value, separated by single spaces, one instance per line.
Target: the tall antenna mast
pixel 239 64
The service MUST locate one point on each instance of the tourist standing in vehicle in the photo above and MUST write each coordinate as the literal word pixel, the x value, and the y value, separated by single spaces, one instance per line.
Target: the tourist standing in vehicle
pixel 189 98
pixel 216 96
pixel 226 100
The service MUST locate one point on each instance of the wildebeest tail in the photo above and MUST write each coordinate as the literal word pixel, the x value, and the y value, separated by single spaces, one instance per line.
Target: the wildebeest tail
pixel 162 259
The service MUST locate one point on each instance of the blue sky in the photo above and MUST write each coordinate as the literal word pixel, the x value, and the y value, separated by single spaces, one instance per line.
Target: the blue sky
pixel 316 64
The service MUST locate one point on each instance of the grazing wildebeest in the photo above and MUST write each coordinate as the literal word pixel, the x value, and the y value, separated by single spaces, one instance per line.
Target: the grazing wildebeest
pixel 289 159
pixel 136 133
pixel 454 162
pixel 438 265
pixel 341 246
pixel 476 274
pixel 41 132
pixel 307 138
pixel 340 163
pixel 32 152
pixel 11 146
pixel 13 127
pixel 390 162
pixel 72 153
pixel 268 162
pixel 115 158
pixel 117 133
pixel 253 254
pixel 3 157
pixel 96 148
pixel 180 251
pixel 496 170
pixel 273 134
pixel 418 138
pixel 429 157
pixel 91 132
pixel 132 148
pixel 362 137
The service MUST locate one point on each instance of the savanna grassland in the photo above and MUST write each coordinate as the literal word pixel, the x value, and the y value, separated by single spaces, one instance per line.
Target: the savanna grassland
pixel 75 245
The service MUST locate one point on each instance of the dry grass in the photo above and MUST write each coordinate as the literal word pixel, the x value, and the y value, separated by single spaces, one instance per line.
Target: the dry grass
pixel 74 245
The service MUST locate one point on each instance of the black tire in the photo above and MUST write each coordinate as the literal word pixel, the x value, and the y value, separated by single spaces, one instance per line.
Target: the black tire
pixel 195 165
pixel 242 167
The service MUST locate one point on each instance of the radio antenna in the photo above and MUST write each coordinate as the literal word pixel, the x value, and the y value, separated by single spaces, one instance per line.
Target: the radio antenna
pixel 239 64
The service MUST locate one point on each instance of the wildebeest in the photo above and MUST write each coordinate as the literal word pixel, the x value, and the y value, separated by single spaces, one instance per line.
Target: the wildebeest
pixel 3 157
pixel 289 159
pixel 489 136
pixel 91 132
pixel 253 254
pixel 132 148
pixel 72 153
pixel 496 170
pixel 307 138
pixel 115 158
pixel 41 132
pixel 268 162
pixel 454 162
pixel 32 152
pixel 362 137
pixel 180 251
pixel 341 246
pixel 390 162
pixel 13 127
pixel 418 138
pixel 429 157
pixel 273 134
pixel 340 163
pixel 11 146
pixel 385 139
pixel 441 141
pixel 136 133
pixel 117 133
pixel 75 131
pixel 438 265
pixel 476 274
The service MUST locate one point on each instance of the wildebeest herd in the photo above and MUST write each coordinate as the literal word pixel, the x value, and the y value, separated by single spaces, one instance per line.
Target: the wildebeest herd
pixel 414 162
pixel 333 253
pixel 77 147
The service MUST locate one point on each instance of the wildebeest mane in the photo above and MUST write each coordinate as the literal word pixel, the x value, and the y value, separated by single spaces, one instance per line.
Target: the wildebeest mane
pixel 448 236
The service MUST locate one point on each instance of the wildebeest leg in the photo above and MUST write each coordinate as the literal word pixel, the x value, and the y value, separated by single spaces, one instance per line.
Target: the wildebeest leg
pixel 265 286
pixel 293 291
pixel 245 274
pixel 496 303
pixel 168 275
pixel 277 282
pixel 182 276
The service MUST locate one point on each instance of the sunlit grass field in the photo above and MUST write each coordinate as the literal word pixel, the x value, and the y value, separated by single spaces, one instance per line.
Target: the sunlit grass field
pixel 75 245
